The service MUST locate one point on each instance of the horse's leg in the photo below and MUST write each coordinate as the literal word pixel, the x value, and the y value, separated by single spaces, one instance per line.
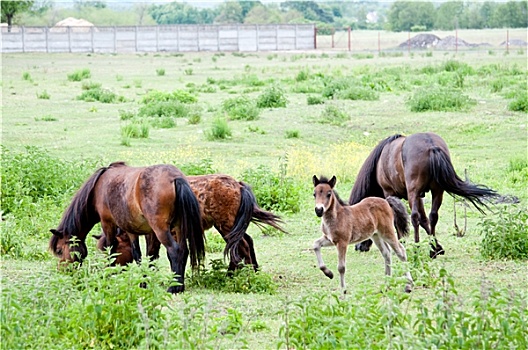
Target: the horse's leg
pixel 322 242
pixel 134 245
pixel 110 231
pixel 437 195
pixel 400 252
pixel 418 216
pixel 176 253
pixel 385 252
pixel 153 246
pixel 252 254
pixel 341 263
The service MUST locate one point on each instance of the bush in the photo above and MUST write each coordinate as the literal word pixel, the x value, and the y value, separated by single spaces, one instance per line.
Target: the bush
pixel 202 167
pixel 182 96
pixel 272 97
pixel 393 319
pixel 333 115
pixel 439 99
pixel 240 108
pixel 275 192
pixel 520 103
pixel 164 109
pixel 44 95
pixel 504 235
pixel 32 175
pixel 136 130
pixel 80 74
pixel 244 280
pixel 101 95
pixel 314 100
pixel 358 93
pixel 220 130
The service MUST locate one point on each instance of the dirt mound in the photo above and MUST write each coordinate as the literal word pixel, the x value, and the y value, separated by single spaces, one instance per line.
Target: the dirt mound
pixel 450 42
pixel 515 42
pixel 426 41
pixel 78 23
pixel 421 41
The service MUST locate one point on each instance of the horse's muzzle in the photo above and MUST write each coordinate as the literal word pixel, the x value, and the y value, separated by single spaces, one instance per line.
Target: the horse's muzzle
pixel 319 211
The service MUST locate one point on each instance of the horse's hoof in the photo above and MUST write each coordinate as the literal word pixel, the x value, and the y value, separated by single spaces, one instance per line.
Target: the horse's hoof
pixel 176 289
pixel 328 273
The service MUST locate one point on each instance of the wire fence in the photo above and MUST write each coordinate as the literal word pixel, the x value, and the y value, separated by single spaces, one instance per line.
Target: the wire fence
pixel 456 40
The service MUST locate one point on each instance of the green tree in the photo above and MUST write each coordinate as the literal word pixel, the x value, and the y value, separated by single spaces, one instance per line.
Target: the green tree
pixel 230 12
pixel 11 8
pixel 263 15
pixel 403 15
pixel 512 14
pixel 310 10
pixel 451 15
pixel 181 13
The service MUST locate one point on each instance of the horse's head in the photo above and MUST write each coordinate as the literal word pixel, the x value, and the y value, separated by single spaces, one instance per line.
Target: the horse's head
pixel 123 251
pixel 323 193
pixel 67 248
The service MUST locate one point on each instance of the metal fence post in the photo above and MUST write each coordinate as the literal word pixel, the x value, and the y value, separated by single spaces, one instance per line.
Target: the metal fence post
pixel 69 40
pixel 47 40
pixel 92 38
pixel 23 39
pixel 115 39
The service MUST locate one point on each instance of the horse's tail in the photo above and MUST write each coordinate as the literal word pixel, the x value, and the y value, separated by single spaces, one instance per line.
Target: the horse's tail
pixel 366 184
pixel 248 212
pixel 401 217
pixel 188 214
pixel 443 172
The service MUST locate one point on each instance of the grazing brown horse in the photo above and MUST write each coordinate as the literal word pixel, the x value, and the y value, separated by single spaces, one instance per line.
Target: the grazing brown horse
pixel 228 205
pixel 344 224
pixel 140 200
pixel 408 167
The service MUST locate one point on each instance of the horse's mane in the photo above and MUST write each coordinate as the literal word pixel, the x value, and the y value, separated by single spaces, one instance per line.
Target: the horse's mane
pixel 80 211
pixel 366 184
pixel 324 180
pixel 117 164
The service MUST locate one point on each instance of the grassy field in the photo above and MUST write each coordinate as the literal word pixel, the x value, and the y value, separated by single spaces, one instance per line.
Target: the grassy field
pixel 41 108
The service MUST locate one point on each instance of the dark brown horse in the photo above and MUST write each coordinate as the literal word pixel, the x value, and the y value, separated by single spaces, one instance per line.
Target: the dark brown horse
pixel 344 224
pixel 408 167
pixel 228 205
pixel 141 200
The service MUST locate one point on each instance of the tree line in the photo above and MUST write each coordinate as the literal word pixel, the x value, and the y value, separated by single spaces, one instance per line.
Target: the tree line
pixel 328 15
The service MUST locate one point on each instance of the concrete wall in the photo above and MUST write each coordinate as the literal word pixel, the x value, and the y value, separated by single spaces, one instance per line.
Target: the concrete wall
pixel 173 38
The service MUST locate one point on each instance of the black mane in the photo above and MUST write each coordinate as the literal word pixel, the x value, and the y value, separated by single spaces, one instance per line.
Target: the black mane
pixel 366 184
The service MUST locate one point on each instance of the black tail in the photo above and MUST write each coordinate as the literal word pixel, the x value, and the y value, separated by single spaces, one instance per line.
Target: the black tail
pixel 188 214
pixel 366 184
pixel 444 174
pixel 248 212
pixel 401 217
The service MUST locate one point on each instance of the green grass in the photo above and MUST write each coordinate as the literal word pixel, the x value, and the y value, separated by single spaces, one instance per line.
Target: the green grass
pixel 277 154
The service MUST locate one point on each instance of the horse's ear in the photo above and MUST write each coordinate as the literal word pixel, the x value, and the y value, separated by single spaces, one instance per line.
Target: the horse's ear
pixel 315 180
pixel 56 233
pixel 332 181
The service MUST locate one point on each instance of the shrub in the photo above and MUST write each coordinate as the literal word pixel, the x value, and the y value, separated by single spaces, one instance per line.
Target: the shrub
pixel 182 96
pixel 358 93
pixel 160 72
pixel 520 103
pixel 126 115
pixel 439 99
pixel 27 77
pixel 292 134
pixel 314 100
pixel 135 130
pixel 240 108
pixel 333 115
pixel 32 175
pixel 171 109
pixel 302 75
pixel 100 95
pixel 272 97
pixel 333 86
pixel 243 280
pixel 504 235
pixel 43 95
pixel 275 192
pixel 220 130
pixel 202 167
pixel 79 75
